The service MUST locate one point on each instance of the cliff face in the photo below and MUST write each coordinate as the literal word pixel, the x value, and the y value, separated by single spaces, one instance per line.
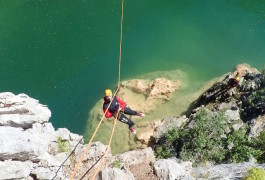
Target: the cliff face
pixel 32 149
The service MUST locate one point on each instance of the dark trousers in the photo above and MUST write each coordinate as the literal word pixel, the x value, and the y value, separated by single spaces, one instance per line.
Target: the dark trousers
pixel 126 120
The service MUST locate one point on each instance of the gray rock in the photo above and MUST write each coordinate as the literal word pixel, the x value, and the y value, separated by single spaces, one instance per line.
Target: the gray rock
pixel 237 126
pixel 168 124
pixel 93 154
pixel 226 105
pixel 115 174
pixel 63 133
pixel 232 115
pixel 48 160
pixel 224 171
pixel 45 131
pixel 136 157
pixel 18 144
pixel 168 169
pixel 257 126
pixel 43 173
pixel 21 111
pixel 15 169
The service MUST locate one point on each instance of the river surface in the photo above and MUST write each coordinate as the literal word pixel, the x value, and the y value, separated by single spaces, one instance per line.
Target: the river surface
pixel 65 52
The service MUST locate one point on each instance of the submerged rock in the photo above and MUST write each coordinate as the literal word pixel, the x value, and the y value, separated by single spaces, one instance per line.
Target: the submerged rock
pixel 155 92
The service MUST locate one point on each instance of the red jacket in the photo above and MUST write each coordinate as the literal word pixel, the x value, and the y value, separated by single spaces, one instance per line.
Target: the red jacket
pixel 115 105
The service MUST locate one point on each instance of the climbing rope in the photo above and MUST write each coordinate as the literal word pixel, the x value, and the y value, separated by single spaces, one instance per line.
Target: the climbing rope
pixel 117 90
pixel 102 159
pixel 67 157
pixel 88 145
pixel 120 44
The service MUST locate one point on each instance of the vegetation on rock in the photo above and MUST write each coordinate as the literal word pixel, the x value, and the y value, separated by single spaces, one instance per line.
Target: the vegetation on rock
pixel 63 145
pixel 256 174
pixel 117 164
pixel 211 138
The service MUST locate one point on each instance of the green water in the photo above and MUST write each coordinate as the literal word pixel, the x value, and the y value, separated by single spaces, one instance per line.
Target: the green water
pixel 65 52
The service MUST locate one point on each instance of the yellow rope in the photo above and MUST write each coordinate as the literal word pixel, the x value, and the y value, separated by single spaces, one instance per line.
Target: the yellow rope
pixel 102 159
pixel 88 145
pixel 120 44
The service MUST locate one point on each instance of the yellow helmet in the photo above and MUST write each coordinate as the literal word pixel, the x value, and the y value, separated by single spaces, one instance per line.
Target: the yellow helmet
pixel 108 92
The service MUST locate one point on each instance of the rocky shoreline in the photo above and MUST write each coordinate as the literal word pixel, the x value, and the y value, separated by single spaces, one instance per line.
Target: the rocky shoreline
pixel 32 149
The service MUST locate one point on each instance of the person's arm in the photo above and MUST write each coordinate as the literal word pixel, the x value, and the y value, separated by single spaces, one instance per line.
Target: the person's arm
pixel 122 103
pixel 108 114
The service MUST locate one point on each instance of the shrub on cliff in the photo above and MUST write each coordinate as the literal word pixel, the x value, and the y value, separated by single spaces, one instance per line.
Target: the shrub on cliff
pixel 259 143
pixel 204 142
pixel 212 139
pixel 255 174
pixel 240 148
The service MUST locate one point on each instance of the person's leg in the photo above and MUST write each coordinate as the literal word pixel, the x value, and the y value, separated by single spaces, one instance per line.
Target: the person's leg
pixel 125 120
pixel 130 111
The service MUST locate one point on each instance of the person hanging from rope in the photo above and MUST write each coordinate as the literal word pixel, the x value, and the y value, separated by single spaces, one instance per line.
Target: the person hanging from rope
pixel 116 105
pixel 233 82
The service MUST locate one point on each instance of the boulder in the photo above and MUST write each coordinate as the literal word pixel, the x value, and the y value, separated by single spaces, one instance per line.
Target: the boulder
pixel 15 169
pixel 18 144
pixel 143 95
pixel 91 158
pixel 45 131
pixel 43 173
pixel 224 171
pixel 243 69
pixel 21 111
pixel 136 85
pixel 170 170
pixel 136 157
pixel 48 160
pixel 168 124
pixel 147 134
pixel 63 133
pixel 257 126
pixel 162 88
pixel 231 111
pixel 95 151
pixel 114 174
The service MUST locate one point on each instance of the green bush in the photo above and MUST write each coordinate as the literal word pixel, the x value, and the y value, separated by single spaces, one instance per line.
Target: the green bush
pixel 242 148
pixel 162 152
pixel 117 164
pixel 206 140
pixel 256 174
pixel 256 97
pixel 259 143
pixel 203 142
pixel 63 145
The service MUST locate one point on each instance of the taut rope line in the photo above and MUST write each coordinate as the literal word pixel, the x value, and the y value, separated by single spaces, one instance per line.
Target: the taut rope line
pixel 88 145
pixel 102 159
pixel 120 44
